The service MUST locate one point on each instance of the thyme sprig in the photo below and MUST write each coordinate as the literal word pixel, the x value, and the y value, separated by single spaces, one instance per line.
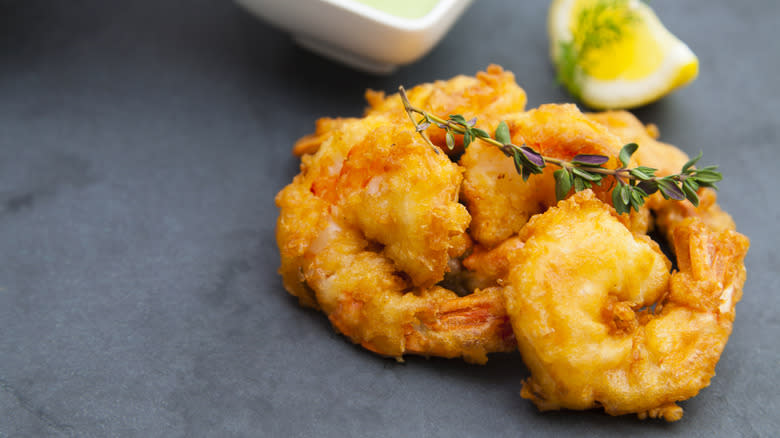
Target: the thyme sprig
pixel 631 185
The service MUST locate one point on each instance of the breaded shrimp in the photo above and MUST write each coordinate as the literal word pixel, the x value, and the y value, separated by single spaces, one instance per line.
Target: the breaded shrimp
pixel 367 300
pixel 498 199
pixel 404 196
pixel 368 229
pixel 581 296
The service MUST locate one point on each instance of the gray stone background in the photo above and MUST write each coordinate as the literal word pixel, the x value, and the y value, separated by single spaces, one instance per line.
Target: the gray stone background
pixel 141 146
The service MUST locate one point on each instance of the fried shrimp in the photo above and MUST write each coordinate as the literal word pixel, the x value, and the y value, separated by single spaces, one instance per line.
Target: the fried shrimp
pixel 601 322
pixel 500 201
pixel 409 247
pixel 379 229
pixel 366 300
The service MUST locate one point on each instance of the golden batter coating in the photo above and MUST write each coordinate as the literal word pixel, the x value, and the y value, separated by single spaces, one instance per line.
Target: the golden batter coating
pixel 498 199
pixel 379 230
pixel 372 183
pixel 580 297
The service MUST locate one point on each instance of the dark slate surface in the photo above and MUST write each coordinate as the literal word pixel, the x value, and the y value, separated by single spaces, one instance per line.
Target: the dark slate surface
pixel 141 145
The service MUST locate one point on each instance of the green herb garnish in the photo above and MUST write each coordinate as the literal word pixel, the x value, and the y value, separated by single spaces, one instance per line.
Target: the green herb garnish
pixel 632 185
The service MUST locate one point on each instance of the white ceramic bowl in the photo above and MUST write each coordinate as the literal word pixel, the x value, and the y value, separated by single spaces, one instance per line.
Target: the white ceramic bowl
pixel 356 34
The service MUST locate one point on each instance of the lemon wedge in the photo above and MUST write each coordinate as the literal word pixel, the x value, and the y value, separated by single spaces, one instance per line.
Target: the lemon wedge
pixel 616 53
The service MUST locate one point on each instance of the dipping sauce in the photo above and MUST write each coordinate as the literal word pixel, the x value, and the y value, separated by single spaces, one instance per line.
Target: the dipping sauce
pixel 402 8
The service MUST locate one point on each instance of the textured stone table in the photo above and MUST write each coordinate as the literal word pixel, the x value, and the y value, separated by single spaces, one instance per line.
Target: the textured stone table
pixel 141 145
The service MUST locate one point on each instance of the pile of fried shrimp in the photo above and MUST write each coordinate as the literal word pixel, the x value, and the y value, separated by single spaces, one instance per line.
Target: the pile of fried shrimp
pixel 410 249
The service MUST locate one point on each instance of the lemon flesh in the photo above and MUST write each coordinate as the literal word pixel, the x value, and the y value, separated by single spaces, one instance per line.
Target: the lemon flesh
pixel 616 53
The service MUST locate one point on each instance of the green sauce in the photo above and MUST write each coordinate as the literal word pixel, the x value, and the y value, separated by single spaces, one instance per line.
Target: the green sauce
pixel 402 8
